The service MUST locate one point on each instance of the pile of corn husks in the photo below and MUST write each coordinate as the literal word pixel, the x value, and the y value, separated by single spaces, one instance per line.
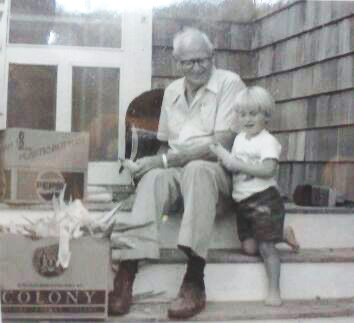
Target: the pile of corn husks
pixel 68 221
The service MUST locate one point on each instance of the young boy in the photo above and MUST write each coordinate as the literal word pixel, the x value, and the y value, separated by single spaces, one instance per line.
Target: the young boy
pixel 253 162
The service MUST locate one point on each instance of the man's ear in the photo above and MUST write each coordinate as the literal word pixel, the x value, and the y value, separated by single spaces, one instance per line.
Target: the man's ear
pixel 175 57
pixel 176 60
pixel 213 58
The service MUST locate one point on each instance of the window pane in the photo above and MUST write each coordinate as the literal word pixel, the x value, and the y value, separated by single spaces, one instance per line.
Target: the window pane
pixel 95 109
pixel 63 22
pixel 31 101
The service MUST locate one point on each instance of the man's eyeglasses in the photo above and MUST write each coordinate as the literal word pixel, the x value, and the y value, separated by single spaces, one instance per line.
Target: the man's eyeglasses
pixel 189 63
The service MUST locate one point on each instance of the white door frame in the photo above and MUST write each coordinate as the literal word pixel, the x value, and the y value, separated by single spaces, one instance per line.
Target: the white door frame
pixel 133 60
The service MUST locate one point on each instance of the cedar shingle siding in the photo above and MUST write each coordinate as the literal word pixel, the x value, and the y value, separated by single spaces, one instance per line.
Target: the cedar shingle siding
pixel 302 52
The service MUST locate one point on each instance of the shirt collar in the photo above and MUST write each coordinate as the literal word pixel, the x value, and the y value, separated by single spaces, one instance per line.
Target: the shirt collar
pixel 212 85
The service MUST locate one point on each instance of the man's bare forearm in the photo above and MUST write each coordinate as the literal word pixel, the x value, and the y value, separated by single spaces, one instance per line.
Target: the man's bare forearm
pixel 180 159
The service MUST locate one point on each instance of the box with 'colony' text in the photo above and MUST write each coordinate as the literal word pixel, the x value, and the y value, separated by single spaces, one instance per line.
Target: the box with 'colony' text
pixel 32 286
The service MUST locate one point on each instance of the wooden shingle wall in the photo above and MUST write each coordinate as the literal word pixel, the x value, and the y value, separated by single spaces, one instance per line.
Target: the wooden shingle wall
pixel 228 26
pixel 303 53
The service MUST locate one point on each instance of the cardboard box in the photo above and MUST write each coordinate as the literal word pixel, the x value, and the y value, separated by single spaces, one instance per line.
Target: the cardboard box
pixel 35 164
pixel 33 288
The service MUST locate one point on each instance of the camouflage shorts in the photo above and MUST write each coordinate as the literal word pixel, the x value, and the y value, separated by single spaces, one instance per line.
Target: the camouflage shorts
pixel 261 216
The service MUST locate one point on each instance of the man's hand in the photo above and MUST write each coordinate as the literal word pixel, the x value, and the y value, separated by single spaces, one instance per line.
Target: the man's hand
pixel 147 163
pixel 130 165
pixel 143 165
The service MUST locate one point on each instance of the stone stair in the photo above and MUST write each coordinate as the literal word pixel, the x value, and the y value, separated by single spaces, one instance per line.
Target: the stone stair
pixel 297 311
pixel 311 274
pixel 317 283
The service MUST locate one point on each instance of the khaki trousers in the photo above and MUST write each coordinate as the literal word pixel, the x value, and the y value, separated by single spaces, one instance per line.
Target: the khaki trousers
pixel 199 184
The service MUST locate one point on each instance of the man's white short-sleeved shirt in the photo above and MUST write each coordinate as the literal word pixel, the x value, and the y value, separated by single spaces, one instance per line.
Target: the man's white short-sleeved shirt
pixel 189 126
pixel 254 150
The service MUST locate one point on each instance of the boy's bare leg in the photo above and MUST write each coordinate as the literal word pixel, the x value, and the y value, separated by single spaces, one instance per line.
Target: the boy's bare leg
pixel 290 239
pixel 250 246
pixel 272 265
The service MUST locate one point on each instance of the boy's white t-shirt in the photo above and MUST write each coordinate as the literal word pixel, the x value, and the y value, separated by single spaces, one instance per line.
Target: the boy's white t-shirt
pixel 254 150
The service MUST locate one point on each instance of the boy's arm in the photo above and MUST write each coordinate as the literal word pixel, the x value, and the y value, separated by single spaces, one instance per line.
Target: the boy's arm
pixel 265 169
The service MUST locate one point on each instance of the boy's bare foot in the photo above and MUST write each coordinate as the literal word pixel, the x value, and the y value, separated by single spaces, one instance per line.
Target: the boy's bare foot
pixel 273 299
pixel 290 239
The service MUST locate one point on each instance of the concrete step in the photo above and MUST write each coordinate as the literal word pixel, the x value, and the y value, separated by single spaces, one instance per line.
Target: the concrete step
pixel 314 228
pixel 297 311
pixel 317 284
pixel 230 276
pixel 251 311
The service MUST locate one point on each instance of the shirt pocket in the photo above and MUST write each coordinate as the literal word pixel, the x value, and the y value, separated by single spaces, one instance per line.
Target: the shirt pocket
pixel 208 115
pixel 175 122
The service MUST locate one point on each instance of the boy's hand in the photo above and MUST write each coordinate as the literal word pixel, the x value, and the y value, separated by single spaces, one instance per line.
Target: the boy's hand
pixel 223 155
pixel 218 150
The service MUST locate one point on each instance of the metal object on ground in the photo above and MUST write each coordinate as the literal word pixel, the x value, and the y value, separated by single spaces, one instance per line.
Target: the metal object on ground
pixel 314 195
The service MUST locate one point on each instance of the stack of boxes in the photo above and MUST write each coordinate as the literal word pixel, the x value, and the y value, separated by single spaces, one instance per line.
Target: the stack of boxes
pixel 36 164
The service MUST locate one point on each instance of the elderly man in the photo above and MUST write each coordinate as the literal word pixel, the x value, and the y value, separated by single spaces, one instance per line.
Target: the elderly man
pixel 196 111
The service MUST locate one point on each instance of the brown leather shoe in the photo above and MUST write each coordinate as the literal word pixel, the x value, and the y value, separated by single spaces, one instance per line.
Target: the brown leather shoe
pixel 189 302
pixel 120 299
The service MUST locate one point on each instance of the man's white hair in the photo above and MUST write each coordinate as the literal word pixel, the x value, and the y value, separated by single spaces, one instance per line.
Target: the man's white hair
pixel 183 38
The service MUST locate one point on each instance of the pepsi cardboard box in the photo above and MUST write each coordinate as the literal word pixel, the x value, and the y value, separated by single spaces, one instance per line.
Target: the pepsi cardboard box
pixel 33 287
pixel 36 164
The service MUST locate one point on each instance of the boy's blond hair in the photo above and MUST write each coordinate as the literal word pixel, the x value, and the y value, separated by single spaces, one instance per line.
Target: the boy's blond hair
pixel 255 96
